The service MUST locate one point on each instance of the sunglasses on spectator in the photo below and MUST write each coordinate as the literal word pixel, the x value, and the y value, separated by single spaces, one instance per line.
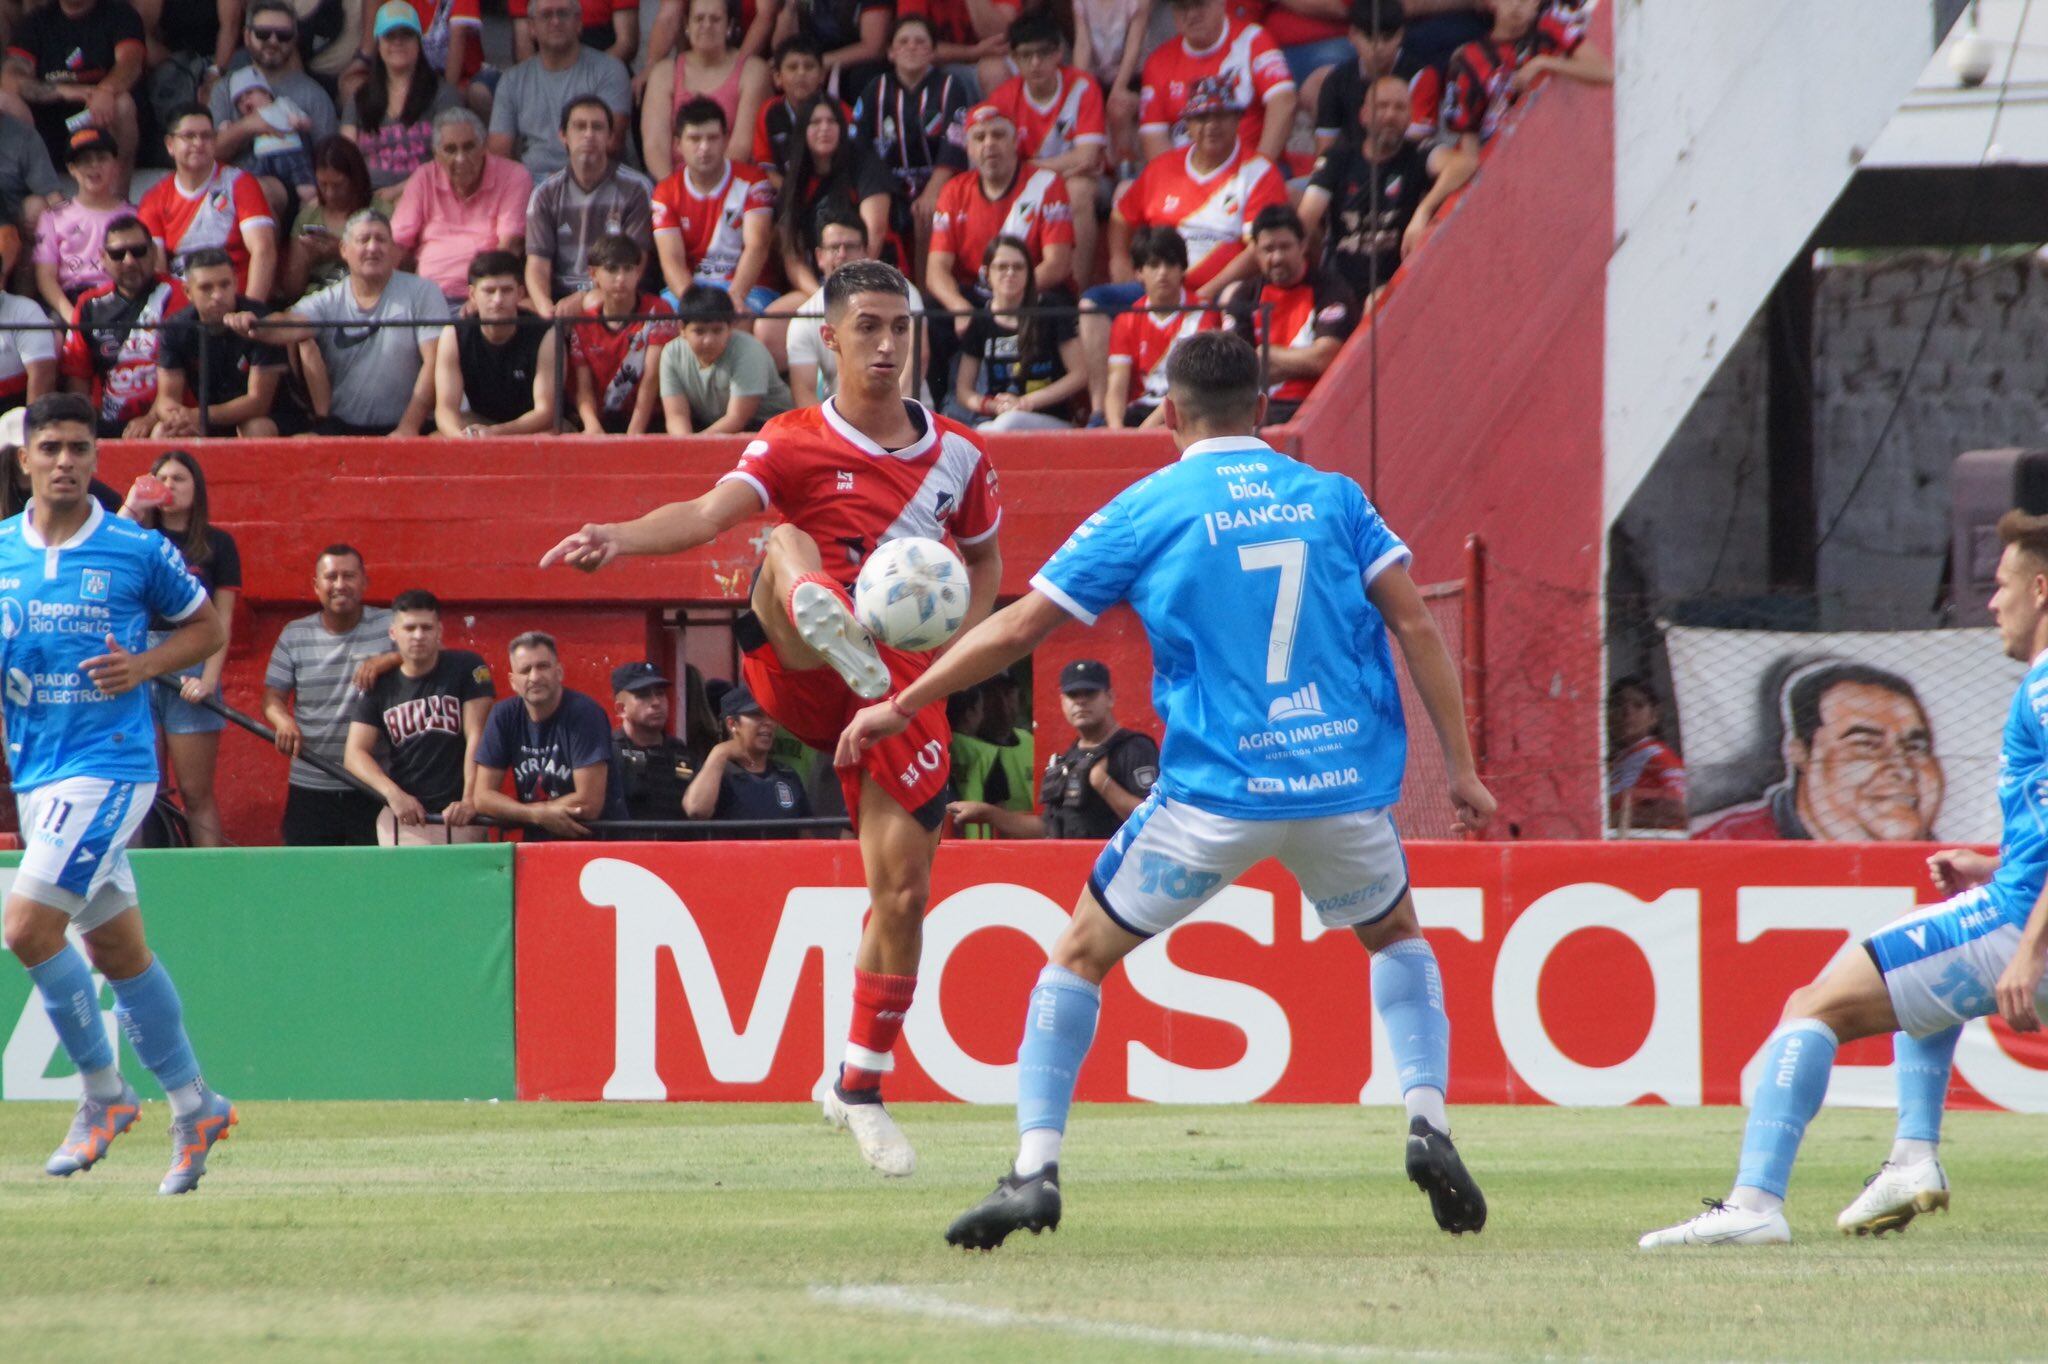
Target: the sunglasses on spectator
pixel 126 252
pixel 273 35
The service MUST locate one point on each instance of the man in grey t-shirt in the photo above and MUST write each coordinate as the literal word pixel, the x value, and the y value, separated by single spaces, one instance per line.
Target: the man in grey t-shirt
pixel 526 110
pixel 591 198
pixel 381 376
pixel 308 690
pixel 270 36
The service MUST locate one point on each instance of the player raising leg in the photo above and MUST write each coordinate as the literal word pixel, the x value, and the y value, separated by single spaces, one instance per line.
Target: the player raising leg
pixel 1288 744
pixel 78 589
pixel 860 468
pixel 1978 952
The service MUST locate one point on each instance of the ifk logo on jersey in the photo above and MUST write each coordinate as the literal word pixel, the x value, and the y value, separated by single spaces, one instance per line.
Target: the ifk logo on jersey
pixel 92 585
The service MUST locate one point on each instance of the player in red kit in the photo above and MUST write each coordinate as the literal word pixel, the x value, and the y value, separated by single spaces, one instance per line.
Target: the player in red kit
pixel 861 468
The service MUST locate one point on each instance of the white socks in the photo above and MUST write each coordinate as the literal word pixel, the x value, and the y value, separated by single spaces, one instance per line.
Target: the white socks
pixel 1427 1102
pixel 187 1099
pixel 1037 1149
pixel 1906 1151
pixel 1754 1200
pixel 103 1085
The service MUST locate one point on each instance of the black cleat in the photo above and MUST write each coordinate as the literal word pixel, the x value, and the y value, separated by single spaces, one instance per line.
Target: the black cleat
pixel 1434 1166
pixel 1020 1203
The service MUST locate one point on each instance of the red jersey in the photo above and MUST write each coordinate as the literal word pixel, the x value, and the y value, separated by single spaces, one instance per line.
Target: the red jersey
pixel 220 214
pixel 438 18
pixel 1646 770
pixel 1292 317
pixel 617 354
pixel 1477 94
pixel 1244 56
pixel 113 343
pixel 713 225
pixel 851 495
pixel 1212 211
pixel 1143 340
pixel 1071 118
pixel 966 220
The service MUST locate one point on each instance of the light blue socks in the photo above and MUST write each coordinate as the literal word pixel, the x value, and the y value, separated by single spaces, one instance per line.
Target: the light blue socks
pixel 1408 991
pixel 1923 1068
pixel 1058 1030
pixel 154 1021
pixel 1797 1063
pixel 73 1003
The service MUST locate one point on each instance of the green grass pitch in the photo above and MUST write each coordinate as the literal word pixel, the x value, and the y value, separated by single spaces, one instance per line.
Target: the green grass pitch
pixel 510 1232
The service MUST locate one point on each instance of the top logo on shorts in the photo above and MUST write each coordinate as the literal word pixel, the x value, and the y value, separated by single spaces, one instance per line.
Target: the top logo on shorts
pixel 92 585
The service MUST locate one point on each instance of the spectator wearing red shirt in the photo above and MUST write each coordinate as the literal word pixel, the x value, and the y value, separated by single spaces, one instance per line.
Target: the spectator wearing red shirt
pixel 613 357
pixel 1210 192
pixel 1058 112
pixel 1298 316
pixel 714 219
pixel 1003 197
pixel 1484 79
pixel 1645 777
pixel 1141 339
pixel 971 36
pixel 1212 46
pixel 205 204
pixel 110 350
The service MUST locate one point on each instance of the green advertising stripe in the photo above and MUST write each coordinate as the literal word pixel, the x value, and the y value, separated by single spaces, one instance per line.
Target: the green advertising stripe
pixel 313 973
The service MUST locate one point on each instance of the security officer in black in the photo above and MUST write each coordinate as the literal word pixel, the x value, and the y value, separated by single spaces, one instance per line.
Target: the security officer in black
pixel 656 765
pixel 1091 788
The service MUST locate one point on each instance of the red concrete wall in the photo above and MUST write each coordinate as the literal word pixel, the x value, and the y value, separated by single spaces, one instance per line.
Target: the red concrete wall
pixel 1491 358
pixel 470 520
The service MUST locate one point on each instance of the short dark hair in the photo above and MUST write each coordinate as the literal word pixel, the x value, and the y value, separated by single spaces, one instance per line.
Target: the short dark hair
pixel 1213 377
pixel 1036 26
pixel 615 251
pixel 1633 682
pixel 416 599
pixel 903 21
pixel 1277 218
pixel 127 222
pixel 1809 685
pixel 1158 246
pixel 705 303
pixel 184 111
pixel 491 264
pixel 701 109
pixel 581 101
pixel 795 43
pixel 863 277
pixel 340 549
pixel 52 408
pixel 270 7
pixel 207 257
pixel 836 212
pixel 1377 16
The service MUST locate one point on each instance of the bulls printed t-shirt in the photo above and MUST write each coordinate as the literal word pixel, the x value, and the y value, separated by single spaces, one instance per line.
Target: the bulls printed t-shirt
pixel 421 719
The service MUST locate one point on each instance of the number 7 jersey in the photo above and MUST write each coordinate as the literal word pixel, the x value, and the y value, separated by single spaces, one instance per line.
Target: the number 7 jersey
pixel 1271 668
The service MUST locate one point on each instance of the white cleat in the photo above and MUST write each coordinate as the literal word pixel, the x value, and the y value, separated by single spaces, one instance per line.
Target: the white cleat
pixel 882 1143
pixel 823 621
pixel 1894 1196
pixel 1723 1224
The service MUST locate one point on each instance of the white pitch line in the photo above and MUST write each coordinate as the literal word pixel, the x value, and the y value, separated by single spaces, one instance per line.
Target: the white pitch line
pixel 909 1302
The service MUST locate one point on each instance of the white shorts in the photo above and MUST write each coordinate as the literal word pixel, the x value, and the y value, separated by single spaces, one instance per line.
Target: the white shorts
pixel 75 836
pixel 1169 859
pixel 1941 964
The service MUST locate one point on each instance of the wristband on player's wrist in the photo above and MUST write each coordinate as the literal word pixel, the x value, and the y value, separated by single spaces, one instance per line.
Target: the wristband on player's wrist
pixel 897 705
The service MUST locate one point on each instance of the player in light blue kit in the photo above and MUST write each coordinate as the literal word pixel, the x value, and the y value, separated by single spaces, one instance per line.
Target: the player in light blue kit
pixel 1979 952
pixel 77 590
pixel 1267 589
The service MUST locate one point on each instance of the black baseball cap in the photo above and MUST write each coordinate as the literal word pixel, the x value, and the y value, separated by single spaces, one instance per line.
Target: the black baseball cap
pixel 1084 674
pixel 637 677
pixel 737 702
pixel 88 140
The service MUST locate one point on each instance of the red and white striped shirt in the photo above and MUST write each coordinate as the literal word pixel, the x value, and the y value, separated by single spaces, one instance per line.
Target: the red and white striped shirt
pixel 1244 56
pixel 713 224
pixel 1071 118
pixel 1212 211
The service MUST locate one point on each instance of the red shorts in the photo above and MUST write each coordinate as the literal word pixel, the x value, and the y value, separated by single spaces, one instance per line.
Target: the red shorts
pixel 816 704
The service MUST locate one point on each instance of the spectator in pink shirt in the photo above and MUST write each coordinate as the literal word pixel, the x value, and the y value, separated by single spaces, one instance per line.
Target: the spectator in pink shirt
pixel 461 204
pixel 69 237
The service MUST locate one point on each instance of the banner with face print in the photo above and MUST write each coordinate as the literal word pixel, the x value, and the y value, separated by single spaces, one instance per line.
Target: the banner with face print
pixel 1842 737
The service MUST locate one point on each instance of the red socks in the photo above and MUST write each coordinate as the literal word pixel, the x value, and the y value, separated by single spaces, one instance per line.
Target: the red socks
pixel 879 1003
pixel 823 579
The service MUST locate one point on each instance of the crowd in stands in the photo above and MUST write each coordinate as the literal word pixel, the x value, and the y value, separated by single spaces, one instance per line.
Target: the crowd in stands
pixel 274 217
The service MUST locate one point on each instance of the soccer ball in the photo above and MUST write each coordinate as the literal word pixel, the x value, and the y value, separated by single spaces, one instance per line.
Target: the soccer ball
pixel 912 594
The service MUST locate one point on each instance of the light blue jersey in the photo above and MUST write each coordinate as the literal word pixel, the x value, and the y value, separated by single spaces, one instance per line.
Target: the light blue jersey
pixel 57 607
pixel 2023 797
pixel 1271 669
